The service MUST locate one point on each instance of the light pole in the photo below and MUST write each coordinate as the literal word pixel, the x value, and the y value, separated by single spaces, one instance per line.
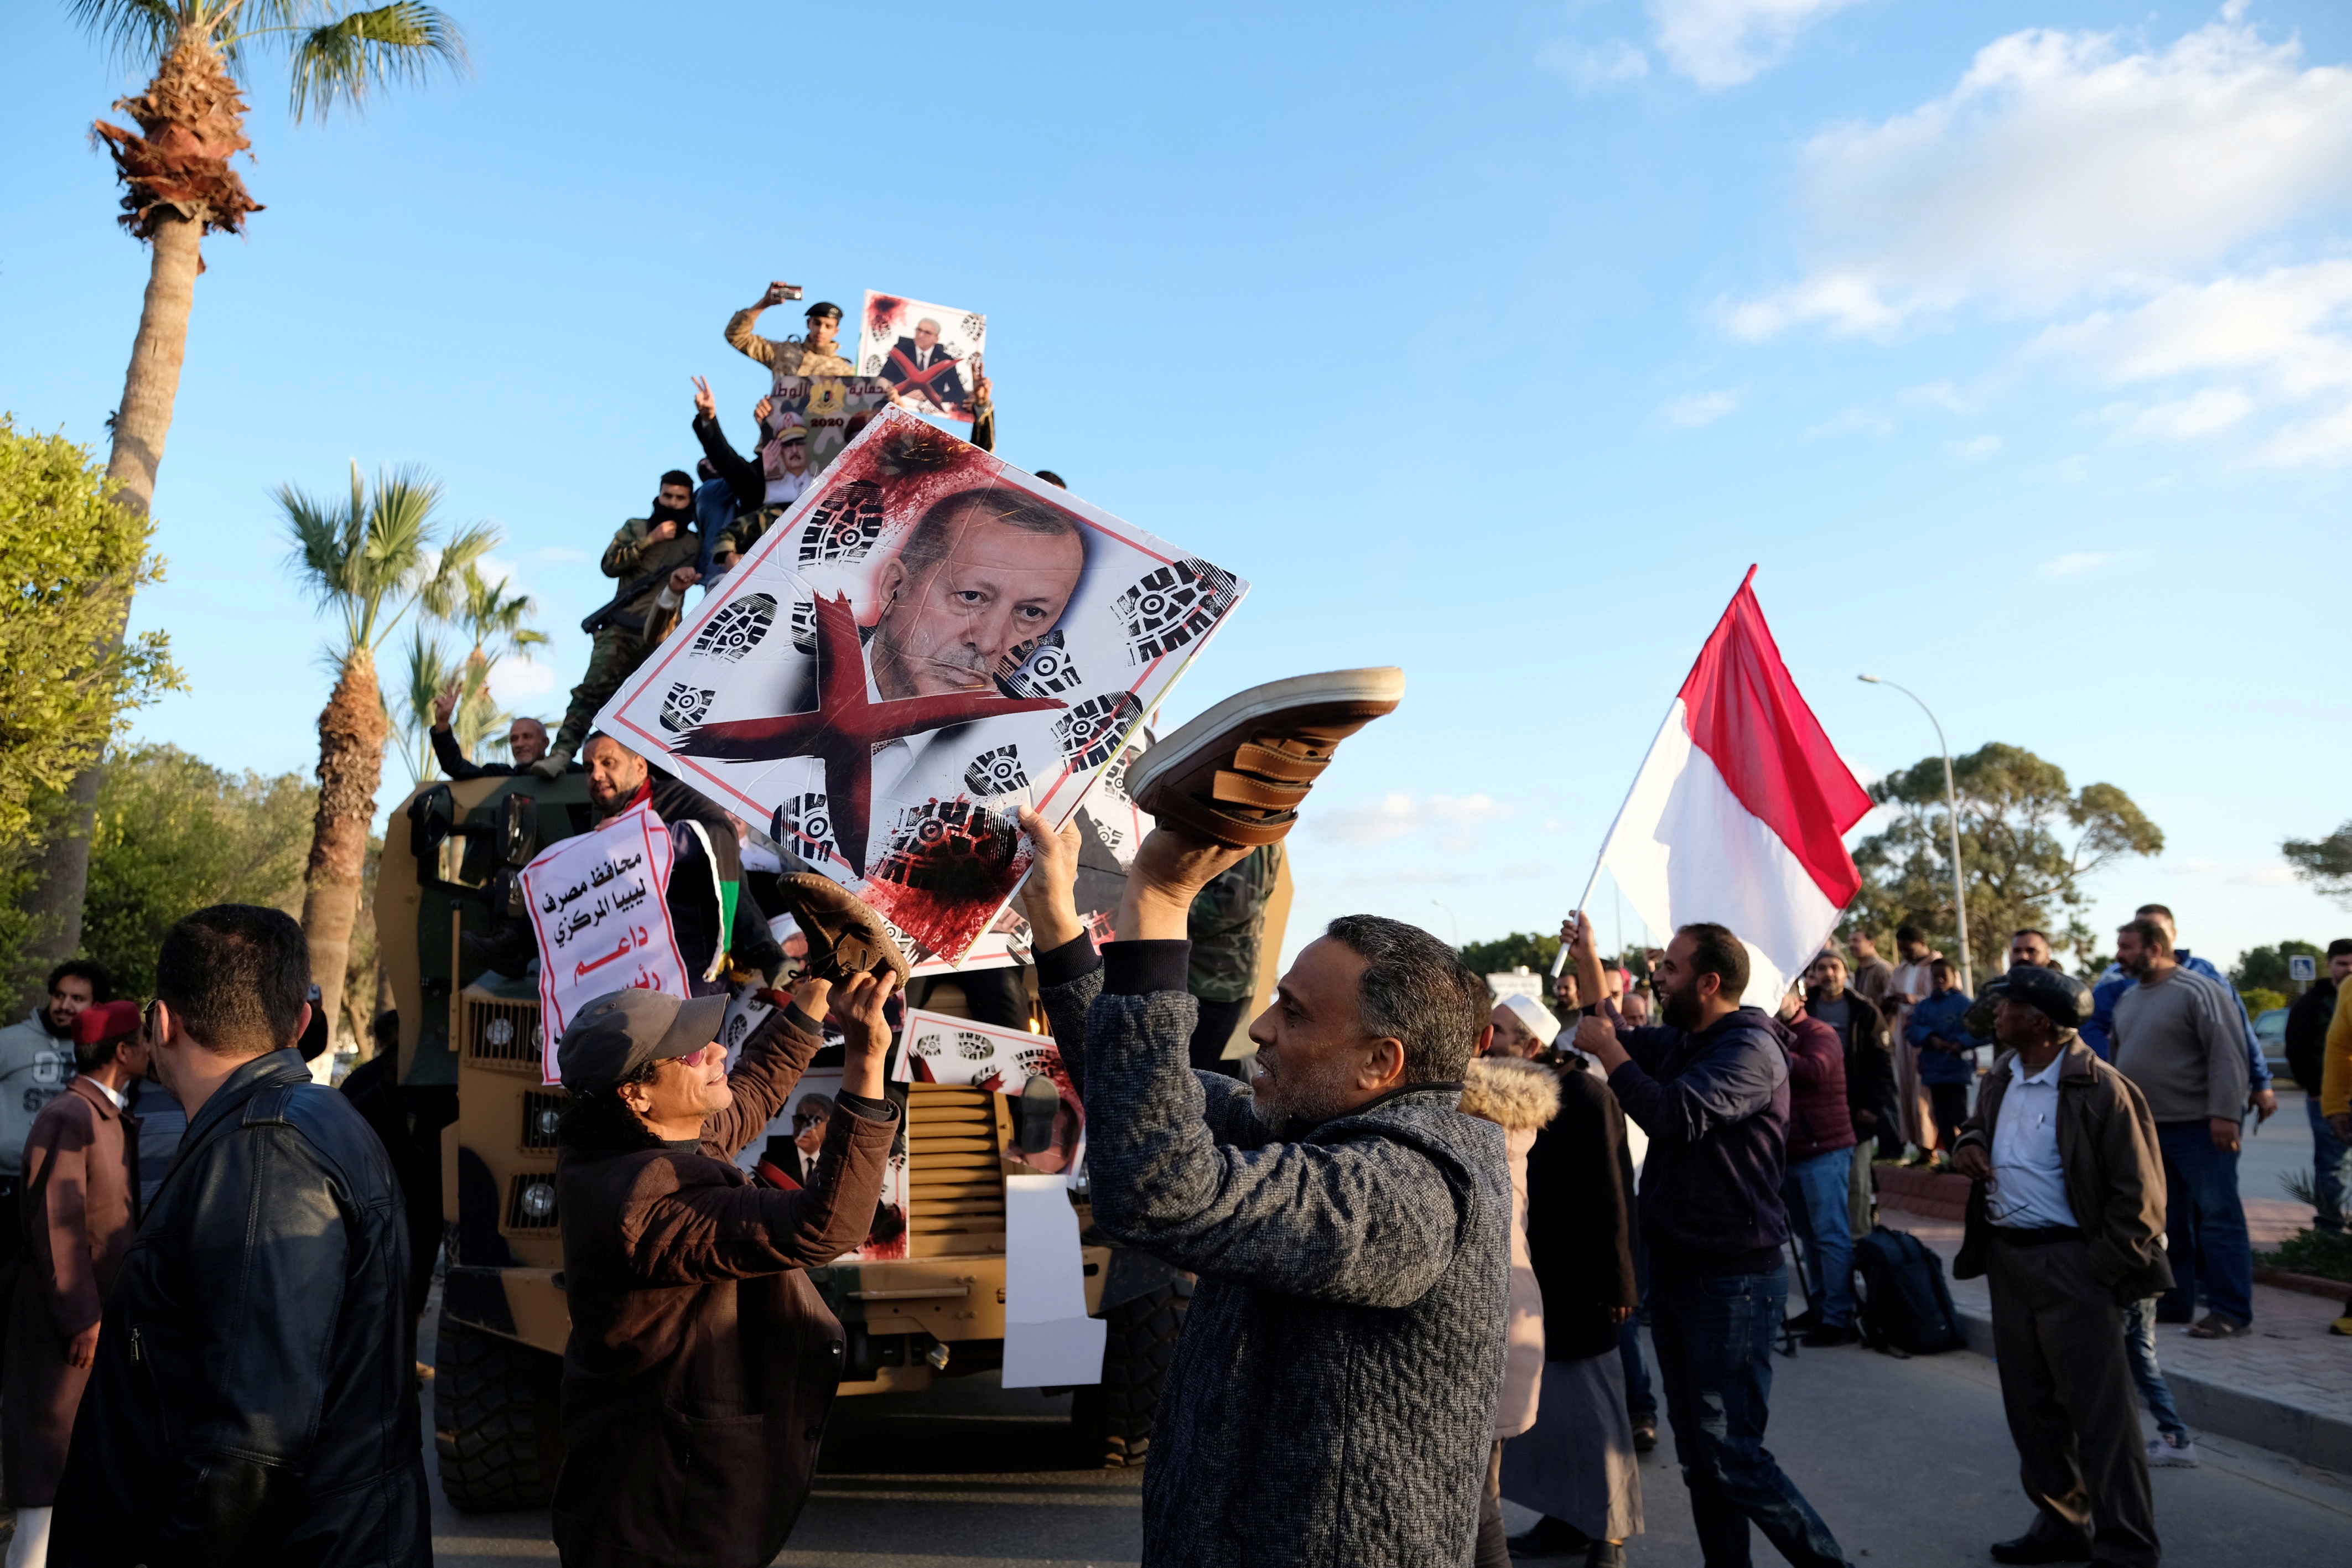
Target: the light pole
pixel 1952 813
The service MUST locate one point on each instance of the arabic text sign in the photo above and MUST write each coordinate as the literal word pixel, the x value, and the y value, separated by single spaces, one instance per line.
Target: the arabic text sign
pixel 597 910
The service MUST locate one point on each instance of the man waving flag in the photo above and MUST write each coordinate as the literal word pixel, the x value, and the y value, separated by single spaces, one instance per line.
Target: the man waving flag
pixel 1740 813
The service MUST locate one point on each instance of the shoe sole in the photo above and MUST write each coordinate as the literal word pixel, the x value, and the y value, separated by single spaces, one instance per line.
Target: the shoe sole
pixel 1224 728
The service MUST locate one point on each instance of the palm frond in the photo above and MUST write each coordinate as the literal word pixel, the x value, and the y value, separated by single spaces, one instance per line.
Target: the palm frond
pixel 444 591
pixel 347 57
pixel 428 674
pixel 136 33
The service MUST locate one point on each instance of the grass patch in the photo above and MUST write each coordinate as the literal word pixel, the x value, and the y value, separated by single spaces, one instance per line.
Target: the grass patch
pixel 2324 1254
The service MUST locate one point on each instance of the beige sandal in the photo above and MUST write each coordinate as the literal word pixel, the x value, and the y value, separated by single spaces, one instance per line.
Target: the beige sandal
pixel 1237 774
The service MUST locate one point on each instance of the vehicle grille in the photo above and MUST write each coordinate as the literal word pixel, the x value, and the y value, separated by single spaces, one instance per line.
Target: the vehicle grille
pixel 530 1202
pixel 501 1034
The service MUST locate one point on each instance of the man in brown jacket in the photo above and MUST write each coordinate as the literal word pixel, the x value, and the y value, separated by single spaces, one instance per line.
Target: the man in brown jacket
pixel 702 1362
pixel 2066 1219
pixel 81 1211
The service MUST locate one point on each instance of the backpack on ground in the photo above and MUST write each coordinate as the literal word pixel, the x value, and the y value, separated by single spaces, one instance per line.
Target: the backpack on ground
pixel 1906 1309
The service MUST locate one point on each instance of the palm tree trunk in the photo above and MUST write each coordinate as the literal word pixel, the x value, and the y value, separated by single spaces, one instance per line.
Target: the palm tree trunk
pixel 149 390
pixel 352 733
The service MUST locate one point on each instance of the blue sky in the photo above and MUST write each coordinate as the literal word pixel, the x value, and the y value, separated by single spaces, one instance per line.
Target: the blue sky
pixel 2013 341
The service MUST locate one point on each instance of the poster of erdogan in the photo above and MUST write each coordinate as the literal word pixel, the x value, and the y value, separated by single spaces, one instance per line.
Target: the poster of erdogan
pixel 930 640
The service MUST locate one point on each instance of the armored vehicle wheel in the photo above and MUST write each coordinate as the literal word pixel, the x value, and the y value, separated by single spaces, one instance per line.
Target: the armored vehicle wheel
pixel 496 1424
pixel 1113 1421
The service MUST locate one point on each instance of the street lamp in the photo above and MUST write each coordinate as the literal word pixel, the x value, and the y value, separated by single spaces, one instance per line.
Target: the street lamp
pixel 1952 812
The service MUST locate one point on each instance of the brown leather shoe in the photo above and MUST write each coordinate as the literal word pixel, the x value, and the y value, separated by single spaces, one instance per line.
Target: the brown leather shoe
pixel 845 937
pixel 1237 774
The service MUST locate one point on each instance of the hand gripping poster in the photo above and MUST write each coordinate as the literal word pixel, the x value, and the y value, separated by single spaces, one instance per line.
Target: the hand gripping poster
pixel 929 639
pixel 929 354
pixel 597 910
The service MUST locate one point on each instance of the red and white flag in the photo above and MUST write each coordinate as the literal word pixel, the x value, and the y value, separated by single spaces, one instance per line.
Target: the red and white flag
pixel 1740 813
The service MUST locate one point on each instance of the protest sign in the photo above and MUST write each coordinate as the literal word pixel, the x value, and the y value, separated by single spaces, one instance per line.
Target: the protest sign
pixel 596 907
pixel 1111 828
pixel 930 353
pixel 834 409
pixel 936 1048
pixel 927 640
pixel 888 1237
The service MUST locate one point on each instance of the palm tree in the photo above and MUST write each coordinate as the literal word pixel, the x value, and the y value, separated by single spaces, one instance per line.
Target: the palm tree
pixel 495 620
pixel 369 561
pixel 178 186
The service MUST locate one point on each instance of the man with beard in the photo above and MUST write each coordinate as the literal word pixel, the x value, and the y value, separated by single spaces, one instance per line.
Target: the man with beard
pixel 1710 1086
pixel 1333 1396
pixel 526 743
pixel 37 1058
pixel 649 555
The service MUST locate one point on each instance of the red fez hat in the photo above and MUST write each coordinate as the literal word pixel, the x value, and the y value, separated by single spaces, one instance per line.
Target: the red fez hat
pixel 107 1021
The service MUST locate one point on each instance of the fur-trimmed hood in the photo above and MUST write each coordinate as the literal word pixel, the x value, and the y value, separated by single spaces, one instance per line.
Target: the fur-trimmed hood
pixel 1516 1095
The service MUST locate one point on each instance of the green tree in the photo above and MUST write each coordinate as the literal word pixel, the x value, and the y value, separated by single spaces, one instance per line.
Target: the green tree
pixel 2260 1000
pixel 2264 968
pixel 70 559
pixel 368 562
pixel 178 186
pixel 2021 867
pixel 172 834
pixel 1533 949
pixel 2327 863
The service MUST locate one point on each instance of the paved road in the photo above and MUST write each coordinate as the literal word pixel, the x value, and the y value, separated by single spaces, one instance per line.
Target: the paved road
pixel 1909 1461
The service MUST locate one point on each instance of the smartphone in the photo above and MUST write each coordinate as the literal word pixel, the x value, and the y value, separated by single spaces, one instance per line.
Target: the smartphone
pixel 792 290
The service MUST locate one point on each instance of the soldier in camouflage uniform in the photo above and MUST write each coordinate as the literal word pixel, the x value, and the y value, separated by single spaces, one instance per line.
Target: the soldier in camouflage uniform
pixel 1228 929
pixel 647 555
pixel 816 354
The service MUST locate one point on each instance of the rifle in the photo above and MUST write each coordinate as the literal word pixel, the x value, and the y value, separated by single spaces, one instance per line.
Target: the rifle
pixel 610 614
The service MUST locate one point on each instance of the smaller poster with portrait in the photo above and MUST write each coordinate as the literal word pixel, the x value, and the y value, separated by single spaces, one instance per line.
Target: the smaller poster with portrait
pixel 833 409
pixel 793 1141
pixel 929 354
pixel 936 1048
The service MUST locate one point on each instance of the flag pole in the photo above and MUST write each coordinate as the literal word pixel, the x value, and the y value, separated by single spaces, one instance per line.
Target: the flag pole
pixel 1559 963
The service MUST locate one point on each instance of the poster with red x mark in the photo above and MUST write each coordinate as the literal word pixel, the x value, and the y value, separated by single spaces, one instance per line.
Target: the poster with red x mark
pixel 930 640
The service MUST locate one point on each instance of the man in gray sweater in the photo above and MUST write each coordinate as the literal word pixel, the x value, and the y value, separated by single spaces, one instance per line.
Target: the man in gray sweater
pixel 2180 1040
pixel 1331 1402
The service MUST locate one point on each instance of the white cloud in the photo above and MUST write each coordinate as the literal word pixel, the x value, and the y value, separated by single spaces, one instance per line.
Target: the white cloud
pixel 559 552
pixel 2059 167
pixel 516 677
pixel 1698 410
pixel 2074 563
pixel 1980 447
pixel 2183 418
pixel 1865 421
pixel 2114 196
pixel 1397 814
pixel 1722 43
pixel 1594 66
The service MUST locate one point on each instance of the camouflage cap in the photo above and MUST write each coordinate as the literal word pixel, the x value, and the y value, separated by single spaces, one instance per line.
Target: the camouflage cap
pixel 615 1034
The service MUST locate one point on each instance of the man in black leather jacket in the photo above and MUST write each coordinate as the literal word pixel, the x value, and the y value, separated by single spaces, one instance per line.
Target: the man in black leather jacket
pixel 251 1401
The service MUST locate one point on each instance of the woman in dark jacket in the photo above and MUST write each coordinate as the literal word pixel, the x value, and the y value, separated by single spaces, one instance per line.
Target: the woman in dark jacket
pixel 1578 1463
pixel 702 1362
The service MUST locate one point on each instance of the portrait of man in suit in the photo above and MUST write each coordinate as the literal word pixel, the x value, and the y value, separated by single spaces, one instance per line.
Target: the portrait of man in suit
pixel 926 375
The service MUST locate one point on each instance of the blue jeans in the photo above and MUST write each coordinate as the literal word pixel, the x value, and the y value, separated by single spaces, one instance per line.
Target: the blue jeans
pixel 2139 1350
pixel 1816 1191
pixel 2204 1226
pixel 2328 1156
pixel 1640 1399
pixel 1714 1337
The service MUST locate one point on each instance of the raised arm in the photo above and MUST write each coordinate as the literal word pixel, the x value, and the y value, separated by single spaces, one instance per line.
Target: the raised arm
pixel 767 351
pixel 1371 1225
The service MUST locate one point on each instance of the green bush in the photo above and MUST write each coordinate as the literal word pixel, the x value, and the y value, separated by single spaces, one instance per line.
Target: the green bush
pixel 2328 1254
pixel 2259 1000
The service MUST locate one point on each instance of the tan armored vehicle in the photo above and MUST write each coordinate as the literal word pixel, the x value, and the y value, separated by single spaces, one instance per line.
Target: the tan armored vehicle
pixel 451 859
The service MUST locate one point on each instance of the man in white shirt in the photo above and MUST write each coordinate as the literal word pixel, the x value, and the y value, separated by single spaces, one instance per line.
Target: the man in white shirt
pixel 2066 1222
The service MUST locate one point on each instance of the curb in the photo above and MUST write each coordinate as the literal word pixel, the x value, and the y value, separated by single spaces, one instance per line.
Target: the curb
pixel 2307 1284
pixel 2323 1442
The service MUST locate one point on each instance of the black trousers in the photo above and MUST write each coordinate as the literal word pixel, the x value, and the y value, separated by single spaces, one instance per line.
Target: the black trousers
pixel 2058 1337
pixel 12 1245
pixel 1951 1103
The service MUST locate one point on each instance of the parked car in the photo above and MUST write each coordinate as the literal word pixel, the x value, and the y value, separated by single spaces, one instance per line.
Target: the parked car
pixel 2270 1032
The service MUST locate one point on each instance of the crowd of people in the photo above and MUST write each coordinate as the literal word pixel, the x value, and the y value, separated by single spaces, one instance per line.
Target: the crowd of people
pixel 1427 1226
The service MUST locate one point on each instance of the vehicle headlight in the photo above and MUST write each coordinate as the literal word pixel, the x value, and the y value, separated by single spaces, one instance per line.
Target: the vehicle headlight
pixel 500 1032
pixel 539 1200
